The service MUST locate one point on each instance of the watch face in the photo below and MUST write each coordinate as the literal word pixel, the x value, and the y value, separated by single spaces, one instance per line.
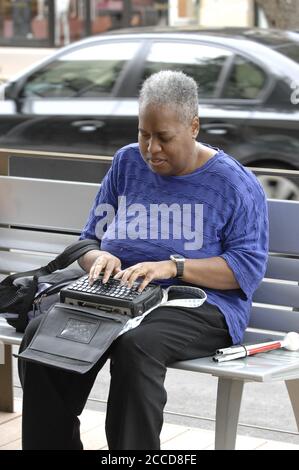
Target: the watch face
pixel 177 257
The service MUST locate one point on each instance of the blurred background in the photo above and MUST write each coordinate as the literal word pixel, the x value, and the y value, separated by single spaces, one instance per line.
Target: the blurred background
pixel 71 71
pixel 37 22
pixel 52 23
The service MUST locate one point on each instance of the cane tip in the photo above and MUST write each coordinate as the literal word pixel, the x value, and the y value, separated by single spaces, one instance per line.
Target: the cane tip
pixel 292 341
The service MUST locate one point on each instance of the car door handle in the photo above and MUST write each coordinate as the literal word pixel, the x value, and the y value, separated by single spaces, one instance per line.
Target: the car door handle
pixel 88 125
pixel 218 128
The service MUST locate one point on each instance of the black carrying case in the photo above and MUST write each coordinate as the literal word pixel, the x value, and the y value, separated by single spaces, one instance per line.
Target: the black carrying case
pixel 73 338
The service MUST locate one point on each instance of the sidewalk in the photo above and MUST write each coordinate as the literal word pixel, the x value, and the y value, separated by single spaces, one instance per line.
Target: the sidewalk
pixel 15 59
pixel 173 437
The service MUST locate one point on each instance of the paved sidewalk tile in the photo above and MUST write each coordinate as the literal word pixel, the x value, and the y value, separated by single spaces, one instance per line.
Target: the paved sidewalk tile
pixel 173 436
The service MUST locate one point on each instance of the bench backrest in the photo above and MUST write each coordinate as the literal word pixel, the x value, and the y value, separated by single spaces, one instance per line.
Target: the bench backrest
pixel 38 218
pixel 280 285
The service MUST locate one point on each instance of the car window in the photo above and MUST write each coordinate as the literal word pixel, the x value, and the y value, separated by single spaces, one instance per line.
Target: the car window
pixel 245 81
pixel 87 72
pixel 203 63
pixel 290 50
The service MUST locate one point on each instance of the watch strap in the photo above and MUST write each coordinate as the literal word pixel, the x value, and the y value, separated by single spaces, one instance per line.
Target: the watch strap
pixel 179 267
pixel 180 264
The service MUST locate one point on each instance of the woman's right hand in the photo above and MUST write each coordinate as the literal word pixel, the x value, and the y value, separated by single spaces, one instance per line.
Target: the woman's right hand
pixel 107 263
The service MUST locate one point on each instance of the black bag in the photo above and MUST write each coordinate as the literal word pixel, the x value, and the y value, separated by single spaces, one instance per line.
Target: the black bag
pixel 18 292
pixel 73 338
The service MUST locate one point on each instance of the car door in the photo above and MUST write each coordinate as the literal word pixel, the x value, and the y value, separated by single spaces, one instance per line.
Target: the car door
pixel 221 120
pixel 246 84
pixel 67 104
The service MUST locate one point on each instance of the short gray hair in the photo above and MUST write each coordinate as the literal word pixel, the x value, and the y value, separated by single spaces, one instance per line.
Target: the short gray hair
pixel 173 89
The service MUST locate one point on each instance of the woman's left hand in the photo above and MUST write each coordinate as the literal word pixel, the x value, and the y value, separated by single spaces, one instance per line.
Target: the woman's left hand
pixel 149 271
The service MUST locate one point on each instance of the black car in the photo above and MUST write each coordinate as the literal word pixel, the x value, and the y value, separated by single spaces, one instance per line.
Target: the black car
pixel 83 99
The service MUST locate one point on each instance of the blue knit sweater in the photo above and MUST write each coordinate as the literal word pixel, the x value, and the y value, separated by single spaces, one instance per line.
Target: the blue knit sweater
pixel 234 225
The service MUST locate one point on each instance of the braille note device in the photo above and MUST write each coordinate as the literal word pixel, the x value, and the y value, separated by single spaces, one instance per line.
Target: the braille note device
pixel 111 296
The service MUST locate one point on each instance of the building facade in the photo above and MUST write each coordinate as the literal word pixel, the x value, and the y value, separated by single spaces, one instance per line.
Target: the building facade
pixel 54 23
pixel 50 23
pixel 216 13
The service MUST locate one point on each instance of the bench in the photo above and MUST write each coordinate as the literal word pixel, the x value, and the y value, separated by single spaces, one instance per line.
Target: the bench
pixel 38 218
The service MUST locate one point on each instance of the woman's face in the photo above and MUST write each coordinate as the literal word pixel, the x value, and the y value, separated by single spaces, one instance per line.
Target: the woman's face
pixel 167 145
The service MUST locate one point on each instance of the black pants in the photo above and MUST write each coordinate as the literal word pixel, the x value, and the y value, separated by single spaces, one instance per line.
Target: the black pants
pixel 53 399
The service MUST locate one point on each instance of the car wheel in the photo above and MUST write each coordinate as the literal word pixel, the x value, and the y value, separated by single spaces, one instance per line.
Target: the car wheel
pixel 279 187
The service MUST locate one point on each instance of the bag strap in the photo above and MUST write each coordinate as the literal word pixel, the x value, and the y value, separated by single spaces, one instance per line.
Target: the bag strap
pixel 63 260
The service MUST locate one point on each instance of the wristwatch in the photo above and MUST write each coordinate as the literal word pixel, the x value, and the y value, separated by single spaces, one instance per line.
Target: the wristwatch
pixel 180 263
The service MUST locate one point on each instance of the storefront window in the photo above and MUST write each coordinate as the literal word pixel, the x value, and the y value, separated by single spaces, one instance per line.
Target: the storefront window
pixel 60 22
pixel 23 20
pixel 115 14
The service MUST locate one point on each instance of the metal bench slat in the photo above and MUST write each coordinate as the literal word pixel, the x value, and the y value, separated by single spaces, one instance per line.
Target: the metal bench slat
pixel 283 268
pixel 8 334
pixel 262 317
pixel 277 294
pixel 263 367
pixel 44 204
pixel 33 240
pixel 283 226
pixel 18 262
